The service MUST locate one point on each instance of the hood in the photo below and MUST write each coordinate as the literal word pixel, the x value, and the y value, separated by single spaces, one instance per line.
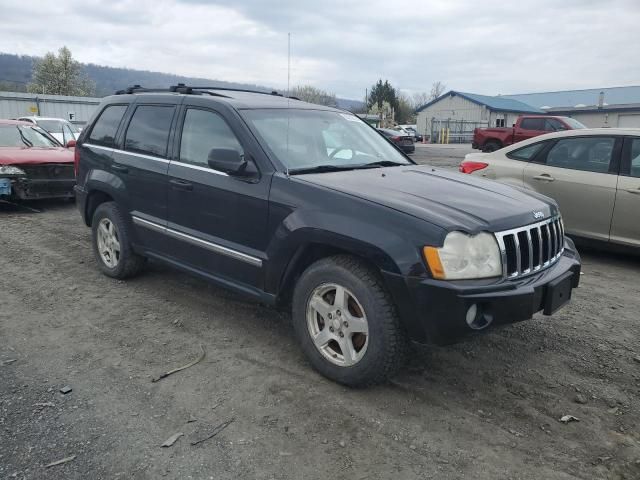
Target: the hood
pixel 451 200
pixel 35 155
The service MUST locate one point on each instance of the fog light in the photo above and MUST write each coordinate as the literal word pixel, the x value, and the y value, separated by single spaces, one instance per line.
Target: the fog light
pixel 476 318
pixel 471 314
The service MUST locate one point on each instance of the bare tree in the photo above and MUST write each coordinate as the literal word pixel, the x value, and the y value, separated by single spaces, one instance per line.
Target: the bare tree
pixel 420 98
pixel 311 94
pixel 437 89
pixel 60 75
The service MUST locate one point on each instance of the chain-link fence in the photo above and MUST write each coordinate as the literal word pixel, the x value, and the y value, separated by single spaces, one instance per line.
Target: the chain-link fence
pixel 453 131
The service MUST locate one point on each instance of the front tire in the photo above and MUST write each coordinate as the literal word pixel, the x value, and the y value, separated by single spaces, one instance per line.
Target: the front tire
pixel 112 243
pixel 346 322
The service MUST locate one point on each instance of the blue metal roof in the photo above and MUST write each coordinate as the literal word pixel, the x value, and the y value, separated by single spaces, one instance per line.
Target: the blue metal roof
pixel 571 98
pixel 498 104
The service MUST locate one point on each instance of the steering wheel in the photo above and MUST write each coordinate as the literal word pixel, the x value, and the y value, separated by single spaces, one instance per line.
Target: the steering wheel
pixel 339 149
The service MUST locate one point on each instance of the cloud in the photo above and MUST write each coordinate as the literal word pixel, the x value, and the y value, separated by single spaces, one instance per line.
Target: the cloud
pixel 345 46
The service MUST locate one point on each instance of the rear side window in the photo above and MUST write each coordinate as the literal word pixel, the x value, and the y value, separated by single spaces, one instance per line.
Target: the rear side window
pixel 203 131
pixel 148 130
pixel 525 153
pixel 532 124
pixel 591 154
pixel 105 128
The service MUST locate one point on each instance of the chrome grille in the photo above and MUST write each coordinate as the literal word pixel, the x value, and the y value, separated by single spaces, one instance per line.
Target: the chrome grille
pixel 531 248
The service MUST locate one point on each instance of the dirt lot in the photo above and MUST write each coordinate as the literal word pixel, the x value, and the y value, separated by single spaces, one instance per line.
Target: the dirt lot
pixel 488 408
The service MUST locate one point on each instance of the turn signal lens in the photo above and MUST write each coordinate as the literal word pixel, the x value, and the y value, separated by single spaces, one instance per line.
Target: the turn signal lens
pixel 470 167
pixel 432 257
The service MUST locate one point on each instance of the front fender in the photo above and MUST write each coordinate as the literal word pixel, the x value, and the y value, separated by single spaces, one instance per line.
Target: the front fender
pixel 384 247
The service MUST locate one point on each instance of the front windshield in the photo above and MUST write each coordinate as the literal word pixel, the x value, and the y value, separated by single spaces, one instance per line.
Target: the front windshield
pixel 51 126
pixel 24 136
pixel 573 123
pixel 305 139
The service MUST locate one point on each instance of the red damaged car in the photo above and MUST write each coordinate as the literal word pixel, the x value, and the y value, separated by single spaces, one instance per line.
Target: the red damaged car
pixel 33 164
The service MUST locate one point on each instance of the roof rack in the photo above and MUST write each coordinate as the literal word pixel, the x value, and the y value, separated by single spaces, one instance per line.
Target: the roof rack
pixel 227 89
pixel 190 90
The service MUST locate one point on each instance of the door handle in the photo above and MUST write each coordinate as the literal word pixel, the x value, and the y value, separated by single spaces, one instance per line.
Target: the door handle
pixel 119 168
pixel 634 190
pixel 544 176
pixel 181 184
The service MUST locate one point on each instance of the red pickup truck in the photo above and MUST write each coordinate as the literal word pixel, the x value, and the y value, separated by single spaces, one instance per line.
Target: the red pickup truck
pixel 526 126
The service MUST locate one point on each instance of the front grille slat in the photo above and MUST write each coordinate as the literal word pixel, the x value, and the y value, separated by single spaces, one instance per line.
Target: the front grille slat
pixel 530 248
pixel 516 242
pixel 539 236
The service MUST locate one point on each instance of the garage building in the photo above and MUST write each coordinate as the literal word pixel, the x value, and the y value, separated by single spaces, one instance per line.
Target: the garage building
pixel 458 113
pixel 597 107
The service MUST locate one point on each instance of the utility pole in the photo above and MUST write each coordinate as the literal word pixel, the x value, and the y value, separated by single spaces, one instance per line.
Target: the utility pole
pixel 288 64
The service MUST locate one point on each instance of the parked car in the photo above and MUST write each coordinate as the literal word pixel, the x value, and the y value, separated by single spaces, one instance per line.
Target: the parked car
pixel 368 250
pixel 62 130
pixel 403 140
pixel 526 126
pixel 411 130
pixel 32 163
pixel 593 174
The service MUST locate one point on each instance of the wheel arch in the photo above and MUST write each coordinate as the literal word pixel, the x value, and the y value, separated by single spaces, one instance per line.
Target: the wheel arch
pixel 95 198
pixel 307 253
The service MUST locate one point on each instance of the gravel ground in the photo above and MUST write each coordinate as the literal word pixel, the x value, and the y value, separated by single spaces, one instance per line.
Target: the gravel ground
pixel 487 408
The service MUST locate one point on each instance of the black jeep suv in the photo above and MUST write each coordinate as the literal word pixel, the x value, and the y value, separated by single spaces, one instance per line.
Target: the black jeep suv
pixel 305 206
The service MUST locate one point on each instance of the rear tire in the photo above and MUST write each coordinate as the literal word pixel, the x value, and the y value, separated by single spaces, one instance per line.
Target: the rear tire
pixel 112 243
pixel 357 341
pixel 491 146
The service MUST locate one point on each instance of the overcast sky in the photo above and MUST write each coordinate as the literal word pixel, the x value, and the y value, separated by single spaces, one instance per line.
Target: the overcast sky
pixel 344 46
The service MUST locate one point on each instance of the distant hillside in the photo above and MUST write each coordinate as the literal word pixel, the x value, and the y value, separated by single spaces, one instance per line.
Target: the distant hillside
pixel 15 74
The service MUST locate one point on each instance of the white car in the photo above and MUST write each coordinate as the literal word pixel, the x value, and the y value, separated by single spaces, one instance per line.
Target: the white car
pixel 58 128
pixel 593 174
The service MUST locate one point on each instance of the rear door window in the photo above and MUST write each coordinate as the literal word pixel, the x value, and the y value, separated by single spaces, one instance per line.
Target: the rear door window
pixel 590 154
pixel 532 124
pixel 105 128
pixel 148 130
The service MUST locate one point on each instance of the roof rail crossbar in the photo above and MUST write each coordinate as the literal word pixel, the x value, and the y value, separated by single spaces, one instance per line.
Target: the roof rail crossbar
pixel 228 89
pixel 138 88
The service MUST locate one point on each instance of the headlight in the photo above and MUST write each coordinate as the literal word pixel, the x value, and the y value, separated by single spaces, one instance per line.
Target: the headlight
pixel 465 256
pixel 10 170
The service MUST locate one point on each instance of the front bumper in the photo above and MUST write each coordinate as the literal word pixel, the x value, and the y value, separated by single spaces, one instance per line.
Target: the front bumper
pixel 32 189
pixel 435 311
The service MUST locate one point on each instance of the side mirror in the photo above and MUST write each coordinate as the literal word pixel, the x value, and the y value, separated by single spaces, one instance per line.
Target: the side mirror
pixel 229 161
pixel 70 144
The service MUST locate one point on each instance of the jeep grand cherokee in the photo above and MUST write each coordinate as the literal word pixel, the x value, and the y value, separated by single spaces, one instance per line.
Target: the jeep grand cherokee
pixel 306 206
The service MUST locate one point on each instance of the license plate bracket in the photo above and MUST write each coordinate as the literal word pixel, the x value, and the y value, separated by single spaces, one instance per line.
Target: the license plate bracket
pixel 558 293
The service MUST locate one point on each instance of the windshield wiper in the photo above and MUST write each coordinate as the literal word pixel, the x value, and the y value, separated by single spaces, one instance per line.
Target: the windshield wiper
pixel 382 163
pixel 322 168
pixel 27 142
